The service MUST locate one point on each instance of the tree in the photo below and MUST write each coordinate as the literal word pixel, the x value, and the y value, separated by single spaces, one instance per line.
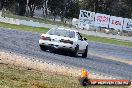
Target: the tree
pixel 90 5
pixel 33 4
pixel 72 9
pixel 56 7
pixel 45 8
pixel 112 7
pixel 68 8
pixel 64 8
pixel 21 7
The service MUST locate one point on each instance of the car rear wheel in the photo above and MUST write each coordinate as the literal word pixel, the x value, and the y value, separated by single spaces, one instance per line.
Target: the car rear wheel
pixel 42 47
pixel 84 55
pixel 75 52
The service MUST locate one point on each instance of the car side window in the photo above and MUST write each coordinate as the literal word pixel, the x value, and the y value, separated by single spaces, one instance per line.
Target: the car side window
pixel 79 36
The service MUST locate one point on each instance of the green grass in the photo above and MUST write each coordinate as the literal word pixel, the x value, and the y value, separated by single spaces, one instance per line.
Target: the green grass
pixel 90 38
pixel 8 14
pixel 25 28
pixel 108 40
pixel 18 77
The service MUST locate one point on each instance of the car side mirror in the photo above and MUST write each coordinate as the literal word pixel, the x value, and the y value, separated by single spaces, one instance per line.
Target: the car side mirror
pixel 85 39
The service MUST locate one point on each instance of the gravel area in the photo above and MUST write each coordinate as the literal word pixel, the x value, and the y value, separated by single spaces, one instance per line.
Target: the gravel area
pixel 120 53
pixel 26 44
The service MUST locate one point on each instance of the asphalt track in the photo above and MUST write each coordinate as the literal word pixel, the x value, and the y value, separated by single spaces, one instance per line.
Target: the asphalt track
pixel 26 43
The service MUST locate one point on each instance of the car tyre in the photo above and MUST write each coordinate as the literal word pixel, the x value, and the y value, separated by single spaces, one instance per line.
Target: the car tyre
pixel 42 47
pixel 75 52
pixel 84 55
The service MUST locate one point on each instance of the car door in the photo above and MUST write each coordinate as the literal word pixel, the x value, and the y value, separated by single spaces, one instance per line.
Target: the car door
pixel 81 42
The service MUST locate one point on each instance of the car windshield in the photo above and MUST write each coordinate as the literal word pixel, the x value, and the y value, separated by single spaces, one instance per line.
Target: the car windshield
pixel 60 32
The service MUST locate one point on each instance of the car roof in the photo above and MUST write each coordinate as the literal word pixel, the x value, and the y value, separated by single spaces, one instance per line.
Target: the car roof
pixel 67 29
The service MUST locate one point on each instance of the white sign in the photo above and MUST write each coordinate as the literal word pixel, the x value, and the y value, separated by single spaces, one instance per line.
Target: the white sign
pixel 86 18
pixel 101 20
pixel 127 24
pixel 116 22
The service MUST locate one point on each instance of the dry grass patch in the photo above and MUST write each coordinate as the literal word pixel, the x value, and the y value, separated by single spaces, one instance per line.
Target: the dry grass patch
pixel 25 75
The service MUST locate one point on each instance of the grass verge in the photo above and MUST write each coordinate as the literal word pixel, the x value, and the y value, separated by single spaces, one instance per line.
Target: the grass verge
pixel 108 40
pixel 18 77
pixel 23 27
pixel 10 15
pixel 44 30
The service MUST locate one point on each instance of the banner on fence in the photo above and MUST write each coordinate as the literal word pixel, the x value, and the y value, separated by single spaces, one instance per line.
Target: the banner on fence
pixel 116 22
pixel 86 18
pixel 101 20
pixel 127 24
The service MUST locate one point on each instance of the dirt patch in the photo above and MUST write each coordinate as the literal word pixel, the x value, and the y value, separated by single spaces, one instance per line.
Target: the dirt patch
pixel 8 58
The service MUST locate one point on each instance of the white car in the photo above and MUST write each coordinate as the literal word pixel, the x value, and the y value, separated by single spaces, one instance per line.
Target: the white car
pixel 64 40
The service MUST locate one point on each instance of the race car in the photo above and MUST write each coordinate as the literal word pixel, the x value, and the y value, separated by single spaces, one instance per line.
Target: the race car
pixel 64 40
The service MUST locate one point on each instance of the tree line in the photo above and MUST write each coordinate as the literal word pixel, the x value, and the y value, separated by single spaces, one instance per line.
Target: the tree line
pixel 68 8
pixel 121 8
